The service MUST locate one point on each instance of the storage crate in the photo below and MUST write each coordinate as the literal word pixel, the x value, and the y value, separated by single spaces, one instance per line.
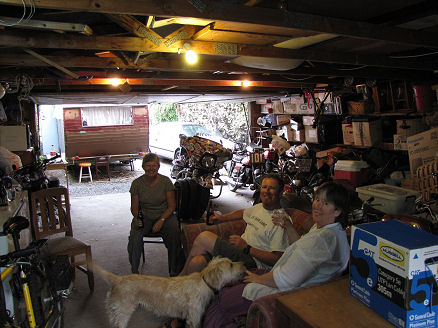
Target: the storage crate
pixel 427 179
pixel 360 107
pixel 389 199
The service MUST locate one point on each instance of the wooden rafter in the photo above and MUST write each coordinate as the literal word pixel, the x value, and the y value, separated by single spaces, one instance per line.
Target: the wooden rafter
pixel 228 11
pixel 17 39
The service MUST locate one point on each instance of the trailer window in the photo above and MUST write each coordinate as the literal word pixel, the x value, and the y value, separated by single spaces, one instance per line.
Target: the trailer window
pixel 106 115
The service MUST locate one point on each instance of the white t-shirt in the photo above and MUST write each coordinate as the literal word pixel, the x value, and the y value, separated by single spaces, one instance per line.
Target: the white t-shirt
pixel 318 256
pixel 261 233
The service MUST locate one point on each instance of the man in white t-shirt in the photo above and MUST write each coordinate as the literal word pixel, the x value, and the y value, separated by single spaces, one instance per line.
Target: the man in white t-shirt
pixel 262 243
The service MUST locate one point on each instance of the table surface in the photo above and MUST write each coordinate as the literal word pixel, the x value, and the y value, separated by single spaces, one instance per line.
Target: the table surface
pixel 329 305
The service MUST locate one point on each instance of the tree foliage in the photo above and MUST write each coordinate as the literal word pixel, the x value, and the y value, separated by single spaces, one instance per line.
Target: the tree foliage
pixel 230 119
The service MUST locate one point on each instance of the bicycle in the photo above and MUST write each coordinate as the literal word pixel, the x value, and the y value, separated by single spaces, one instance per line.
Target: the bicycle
pixel 37 303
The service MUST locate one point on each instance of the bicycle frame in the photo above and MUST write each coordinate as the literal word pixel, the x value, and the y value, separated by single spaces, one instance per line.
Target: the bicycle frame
pixel 26 292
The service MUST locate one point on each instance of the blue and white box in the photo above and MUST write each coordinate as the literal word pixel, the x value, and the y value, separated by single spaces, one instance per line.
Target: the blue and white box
pixel 393 270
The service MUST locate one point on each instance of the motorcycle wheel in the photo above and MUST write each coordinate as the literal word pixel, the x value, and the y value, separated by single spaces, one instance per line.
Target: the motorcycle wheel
pixel 233 185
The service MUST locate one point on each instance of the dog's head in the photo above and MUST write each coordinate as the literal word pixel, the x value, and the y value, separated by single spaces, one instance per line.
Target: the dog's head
pixel 221 271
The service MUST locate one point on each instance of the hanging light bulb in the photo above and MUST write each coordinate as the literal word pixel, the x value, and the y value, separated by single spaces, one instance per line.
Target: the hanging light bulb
pixel 191 57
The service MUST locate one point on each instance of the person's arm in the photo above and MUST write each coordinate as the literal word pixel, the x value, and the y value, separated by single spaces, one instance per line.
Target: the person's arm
pixel 171 205
pixel 267 257
pixel 134 207
pixel 285 221
pixel 266 279
pixel 238 214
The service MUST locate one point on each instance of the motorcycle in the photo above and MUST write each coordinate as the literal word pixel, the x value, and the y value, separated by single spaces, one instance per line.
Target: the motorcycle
pixel 32 177
pixel 197 163
pixel 246 167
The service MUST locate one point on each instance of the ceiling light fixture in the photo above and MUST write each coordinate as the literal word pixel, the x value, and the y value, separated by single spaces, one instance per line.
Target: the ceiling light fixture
pixel 191 56
pixel 246 83
pixel 115 81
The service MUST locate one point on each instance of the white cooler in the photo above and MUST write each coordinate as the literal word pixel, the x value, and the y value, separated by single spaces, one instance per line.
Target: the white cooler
pixel 389 199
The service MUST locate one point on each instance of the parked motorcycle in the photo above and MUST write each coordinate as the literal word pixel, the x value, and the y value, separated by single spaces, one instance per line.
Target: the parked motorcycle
pixel 247 167
pixel 200 159
pixel 197 162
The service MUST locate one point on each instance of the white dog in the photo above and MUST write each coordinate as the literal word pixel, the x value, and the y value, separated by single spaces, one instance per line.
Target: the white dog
pixel 183 297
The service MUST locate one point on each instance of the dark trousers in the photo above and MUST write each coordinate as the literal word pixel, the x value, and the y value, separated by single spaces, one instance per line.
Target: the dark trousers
pixel 171 234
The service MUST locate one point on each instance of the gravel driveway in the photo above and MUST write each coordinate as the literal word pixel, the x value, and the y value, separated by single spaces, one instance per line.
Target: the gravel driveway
pixel 121 179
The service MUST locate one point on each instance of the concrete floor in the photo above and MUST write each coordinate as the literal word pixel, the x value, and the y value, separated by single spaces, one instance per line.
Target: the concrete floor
pixel 103 221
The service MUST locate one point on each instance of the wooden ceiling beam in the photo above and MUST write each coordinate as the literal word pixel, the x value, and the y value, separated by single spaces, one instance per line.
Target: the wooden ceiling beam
pixel 53 41
pixel 174 64
pixel 228 11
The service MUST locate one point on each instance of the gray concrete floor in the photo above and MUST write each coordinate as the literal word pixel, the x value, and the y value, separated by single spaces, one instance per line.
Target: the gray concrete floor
pixel 103 221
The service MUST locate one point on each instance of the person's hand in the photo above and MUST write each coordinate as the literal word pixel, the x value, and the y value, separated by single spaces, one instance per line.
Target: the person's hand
pixel 250 277
pixel 281 219
pixel 237 241
pixel 216 215
pixel 157 226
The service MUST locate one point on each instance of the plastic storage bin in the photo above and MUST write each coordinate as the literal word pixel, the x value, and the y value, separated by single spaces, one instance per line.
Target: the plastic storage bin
pixel 389 199
pixel 354 171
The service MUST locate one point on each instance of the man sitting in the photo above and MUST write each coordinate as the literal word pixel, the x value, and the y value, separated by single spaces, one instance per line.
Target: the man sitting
pixel 260 246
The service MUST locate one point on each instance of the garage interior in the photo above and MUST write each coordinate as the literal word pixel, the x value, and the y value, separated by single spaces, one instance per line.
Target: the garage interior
pixel 363 60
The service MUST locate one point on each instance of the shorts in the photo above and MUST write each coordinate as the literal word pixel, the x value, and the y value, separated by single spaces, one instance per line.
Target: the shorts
pixel 225 249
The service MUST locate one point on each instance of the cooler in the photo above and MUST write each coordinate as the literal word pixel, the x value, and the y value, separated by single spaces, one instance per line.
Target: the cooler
pixel 354 171
pixel 389 199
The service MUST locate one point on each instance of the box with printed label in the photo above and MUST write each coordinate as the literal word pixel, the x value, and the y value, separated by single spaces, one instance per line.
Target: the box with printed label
pixel 393 270
pixel 367 132
pixel 422 148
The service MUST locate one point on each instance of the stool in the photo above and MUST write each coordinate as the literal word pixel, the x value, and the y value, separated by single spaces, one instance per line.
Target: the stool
pixel 103 161
pixel 87 165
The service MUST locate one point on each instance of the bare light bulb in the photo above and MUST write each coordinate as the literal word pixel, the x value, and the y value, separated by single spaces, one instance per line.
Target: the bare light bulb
pixel 191 57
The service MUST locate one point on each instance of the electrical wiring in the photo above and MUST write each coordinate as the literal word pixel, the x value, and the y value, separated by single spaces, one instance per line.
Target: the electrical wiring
pixel 23 17
pixel 352 69
pixel 293 79
pixel 415 56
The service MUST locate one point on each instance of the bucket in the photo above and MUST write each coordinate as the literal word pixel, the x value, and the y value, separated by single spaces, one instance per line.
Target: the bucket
pixel 423 98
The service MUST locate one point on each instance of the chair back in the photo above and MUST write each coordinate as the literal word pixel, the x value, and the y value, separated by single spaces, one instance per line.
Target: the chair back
pixel 51 212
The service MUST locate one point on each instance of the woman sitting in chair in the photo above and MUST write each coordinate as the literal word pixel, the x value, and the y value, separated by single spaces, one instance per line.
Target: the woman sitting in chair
pixel 154 195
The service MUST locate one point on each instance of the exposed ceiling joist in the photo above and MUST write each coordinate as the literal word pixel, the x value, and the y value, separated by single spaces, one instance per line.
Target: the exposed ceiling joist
pixel 16 39
pixel 228 11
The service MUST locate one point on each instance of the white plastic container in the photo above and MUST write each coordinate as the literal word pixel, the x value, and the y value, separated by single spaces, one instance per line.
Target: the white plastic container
pixel 389 199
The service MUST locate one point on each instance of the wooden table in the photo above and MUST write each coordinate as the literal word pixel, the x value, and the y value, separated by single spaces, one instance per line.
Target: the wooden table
pixel 328 305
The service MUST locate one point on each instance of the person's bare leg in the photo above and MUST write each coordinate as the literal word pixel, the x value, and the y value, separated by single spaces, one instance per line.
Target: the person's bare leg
pixel 203 244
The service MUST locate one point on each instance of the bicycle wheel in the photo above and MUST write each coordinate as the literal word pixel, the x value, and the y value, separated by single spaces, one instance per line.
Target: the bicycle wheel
pixel 47 304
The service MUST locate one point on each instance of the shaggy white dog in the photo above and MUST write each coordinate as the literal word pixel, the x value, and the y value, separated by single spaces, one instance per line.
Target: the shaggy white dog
pixel 183 297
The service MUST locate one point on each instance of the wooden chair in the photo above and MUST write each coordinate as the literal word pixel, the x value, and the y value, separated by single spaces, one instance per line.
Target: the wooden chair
pixel 51 219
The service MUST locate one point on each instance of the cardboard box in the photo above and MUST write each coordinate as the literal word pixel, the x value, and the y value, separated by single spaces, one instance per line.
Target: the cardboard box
pixel 308 120
pixel 400 142
pixel 286 132
pixel 367 133
pixel 410 127
pixel 360 107
pixel 14 137
pixel 422 148
pixel 277 107
pixel 311 134
pixel 302 107
pixel 290 107
pixel 392 272
pixel 347 134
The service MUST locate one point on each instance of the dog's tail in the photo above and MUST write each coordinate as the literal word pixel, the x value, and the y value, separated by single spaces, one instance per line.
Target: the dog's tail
pixel 109 277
